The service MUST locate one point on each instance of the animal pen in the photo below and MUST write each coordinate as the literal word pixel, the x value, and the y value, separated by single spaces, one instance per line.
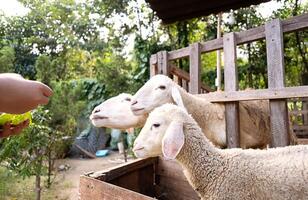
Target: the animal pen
pixel 155 178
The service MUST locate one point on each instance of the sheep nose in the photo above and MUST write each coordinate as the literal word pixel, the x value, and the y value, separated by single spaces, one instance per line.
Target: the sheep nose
pixel 97 110
pixel 134 102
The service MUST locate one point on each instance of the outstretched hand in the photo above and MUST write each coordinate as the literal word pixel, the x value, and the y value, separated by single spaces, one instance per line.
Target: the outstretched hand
pixel 9 129
pixel 18 95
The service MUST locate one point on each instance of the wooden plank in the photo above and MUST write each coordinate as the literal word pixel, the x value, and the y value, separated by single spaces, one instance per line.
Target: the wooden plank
pixel 231 84
pixel 162 63
pixel 164 60
pixel 212 45
pixel 195 68
pixel 293 24
pixel 153 65
pixel 275 68
pixel 185 75
pixel 175 189
pixel 169 168
pixel 184 85
pixel 179 53
pixel 172 181
pixel 92 189
pixel 261 94
pixel 117 171
pixel 298 112
pixel 300 127
pixel 141 181
pixel 153 59
pixel 302 141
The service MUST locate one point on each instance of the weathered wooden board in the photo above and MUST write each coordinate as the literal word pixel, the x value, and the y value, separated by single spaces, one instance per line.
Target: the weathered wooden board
pixel 275 69
pixel 171 182
pixel 231 84
pixel 117 171
pixel 93 189
pixel 195 68
pixel 261 94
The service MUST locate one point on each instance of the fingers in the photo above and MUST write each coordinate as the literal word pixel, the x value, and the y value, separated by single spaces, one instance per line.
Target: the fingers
pixel 44 100
pixel 47 91
pixel 9 129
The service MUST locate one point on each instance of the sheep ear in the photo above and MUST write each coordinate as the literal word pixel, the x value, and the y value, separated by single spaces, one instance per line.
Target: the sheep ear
pixel 173 140
pixel 176 96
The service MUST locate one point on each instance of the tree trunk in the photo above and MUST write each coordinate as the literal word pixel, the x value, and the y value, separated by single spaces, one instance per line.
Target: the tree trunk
pixel 50 163
pixel 38 186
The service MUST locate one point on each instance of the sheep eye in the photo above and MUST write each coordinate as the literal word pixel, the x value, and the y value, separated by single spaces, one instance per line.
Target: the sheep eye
pixel 156 125
pixel 127 99
pixel 162 87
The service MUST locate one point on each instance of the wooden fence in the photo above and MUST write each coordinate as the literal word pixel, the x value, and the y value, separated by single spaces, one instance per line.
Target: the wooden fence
pixel 277 93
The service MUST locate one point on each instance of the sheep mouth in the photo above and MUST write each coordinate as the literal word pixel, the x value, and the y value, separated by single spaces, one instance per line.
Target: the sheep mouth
pixel 98 117
pixel 136 110
pixel 138 149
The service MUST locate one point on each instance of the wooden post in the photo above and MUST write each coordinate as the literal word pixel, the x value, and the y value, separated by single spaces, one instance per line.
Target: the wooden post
pixel 162 63
pixel 195 68
pixel 218 55
pixel 275 68
pixel 231 84
pixel 153 65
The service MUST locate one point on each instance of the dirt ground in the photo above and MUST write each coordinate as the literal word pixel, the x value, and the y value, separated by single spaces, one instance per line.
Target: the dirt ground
pixel 67 182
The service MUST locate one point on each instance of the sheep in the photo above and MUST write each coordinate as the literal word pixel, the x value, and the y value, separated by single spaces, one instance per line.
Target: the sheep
pixel 116 113
pixel 254 115
pixel 215 174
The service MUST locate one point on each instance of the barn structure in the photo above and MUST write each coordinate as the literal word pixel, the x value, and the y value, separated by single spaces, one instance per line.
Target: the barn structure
pixel 154 178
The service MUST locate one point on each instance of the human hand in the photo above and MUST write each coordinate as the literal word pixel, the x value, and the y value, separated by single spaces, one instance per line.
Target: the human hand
pixel 9 129
pixel 18 95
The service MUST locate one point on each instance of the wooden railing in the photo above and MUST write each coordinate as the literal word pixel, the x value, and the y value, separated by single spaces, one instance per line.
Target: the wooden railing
pixel 277 93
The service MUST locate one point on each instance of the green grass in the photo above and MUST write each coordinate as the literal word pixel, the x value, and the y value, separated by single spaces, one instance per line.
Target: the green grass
pixel 15 188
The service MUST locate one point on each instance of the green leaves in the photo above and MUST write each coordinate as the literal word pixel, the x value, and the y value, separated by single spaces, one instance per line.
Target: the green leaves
pixel 14 118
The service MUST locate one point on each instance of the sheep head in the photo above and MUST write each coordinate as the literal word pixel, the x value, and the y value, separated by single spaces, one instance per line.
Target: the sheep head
pixel 116 113
pixel 162 133
pixel 157 91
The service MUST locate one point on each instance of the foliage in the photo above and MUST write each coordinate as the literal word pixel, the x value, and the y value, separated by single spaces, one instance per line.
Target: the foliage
pixel 7 58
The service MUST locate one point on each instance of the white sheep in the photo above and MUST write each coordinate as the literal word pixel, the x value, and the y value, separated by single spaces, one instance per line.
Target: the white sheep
pixel 116 113
pixel 254 115
pixel 217 174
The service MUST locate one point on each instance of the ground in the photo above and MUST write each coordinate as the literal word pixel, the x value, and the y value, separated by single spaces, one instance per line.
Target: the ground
pixel 66 183
pixel 81 166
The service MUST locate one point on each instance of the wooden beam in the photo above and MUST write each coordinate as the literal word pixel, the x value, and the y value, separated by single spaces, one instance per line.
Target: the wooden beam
pixel 231 84
pixel 114 172
pixel 185 75
pixel 262 94
pixel 275 68
pixel 91 188
pixel 195 68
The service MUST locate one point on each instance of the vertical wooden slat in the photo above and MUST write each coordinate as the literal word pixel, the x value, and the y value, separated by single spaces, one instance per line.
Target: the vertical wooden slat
pixel 180 81
pixel 162 63
pixel 195 68
pixel 275 68
pixel 231 84
pixel 153 65
pixel 184 84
